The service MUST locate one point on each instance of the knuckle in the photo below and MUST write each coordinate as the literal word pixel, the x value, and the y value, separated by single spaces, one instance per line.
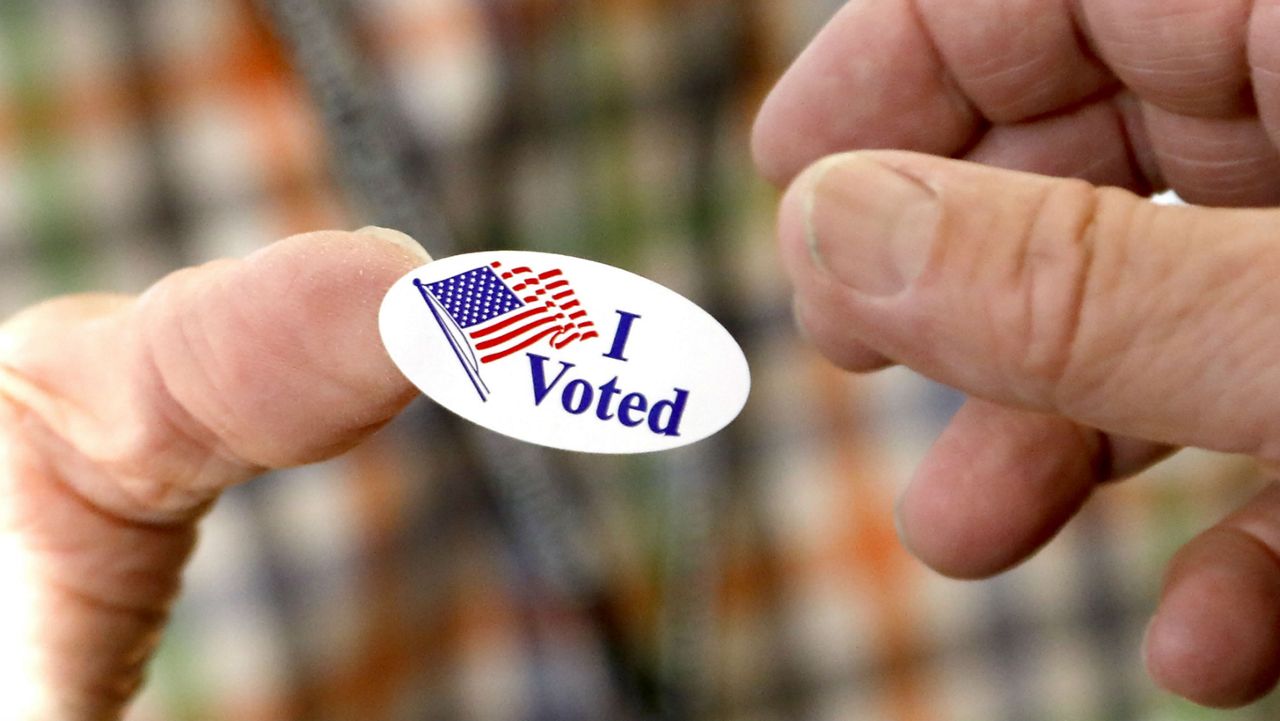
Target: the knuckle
pixel 179 454
pixel 98 414
pixel 1057 279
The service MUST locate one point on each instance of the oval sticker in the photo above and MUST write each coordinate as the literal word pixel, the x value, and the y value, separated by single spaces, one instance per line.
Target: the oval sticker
pixel 564 352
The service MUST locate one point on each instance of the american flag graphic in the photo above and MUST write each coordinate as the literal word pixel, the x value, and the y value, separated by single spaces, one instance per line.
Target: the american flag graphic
pixel 488 313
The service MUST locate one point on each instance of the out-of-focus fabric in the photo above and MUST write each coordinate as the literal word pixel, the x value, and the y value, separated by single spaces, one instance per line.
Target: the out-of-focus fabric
pixel 754 576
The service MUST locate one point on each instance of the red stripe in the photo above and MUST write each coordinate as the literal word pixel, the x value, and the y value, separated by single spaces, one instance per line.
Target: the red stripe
pixel 517 287
pixel 496 264
pixel 589 335
pixel 530 298
pixel 566 341
pixel 549 273
pixel 506 322
pixel 570 304
pixel 523 344
pixel 585 324
pixel 562 294
pixel 577 314
pixel 485 345
pixel 521 269
pixel 506 275
pixel 556 284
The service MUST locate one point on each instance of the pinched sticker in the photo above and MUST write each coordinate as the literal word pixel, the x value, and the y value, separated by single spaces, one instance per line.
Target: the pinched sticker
pixel 564 352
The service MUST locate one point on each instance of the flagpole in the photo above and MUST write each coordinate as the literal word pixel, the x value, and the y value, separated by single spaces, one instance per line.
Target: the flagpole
pixel 449 337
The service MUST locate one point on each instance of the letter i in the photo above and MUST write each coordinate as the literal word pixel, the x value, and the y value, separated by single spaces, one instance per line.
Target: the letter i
pixel 625 320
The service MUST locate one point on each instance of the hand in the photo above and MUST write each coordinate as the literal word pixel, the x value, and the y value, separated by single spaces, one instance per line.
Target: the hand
pixel 1094 331
pixel 121 419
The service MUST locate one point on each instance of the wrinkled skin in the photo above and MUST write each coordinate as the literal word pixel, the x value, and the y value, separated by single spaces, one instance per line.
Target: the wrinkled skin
pixel 965 183
pixel 121 418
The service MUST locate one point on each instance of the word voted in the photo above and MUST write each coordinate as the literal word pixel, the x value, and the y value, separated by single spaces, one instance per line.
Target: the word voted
pixel 633 409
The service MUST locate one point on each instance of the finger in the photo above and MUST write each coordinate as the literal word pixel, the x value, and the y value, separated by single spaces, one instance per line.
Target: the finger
pixel 1185 56
pixel 874 78
pixel 1000 483
pixel 1050 295
pixel 1104 143
pixel 1014 59
pixel 1264 64
pixel 1214 638
pixel 121 418
pixel 1212 161
pixel 870 79
pixel 213 373
pixel 842 348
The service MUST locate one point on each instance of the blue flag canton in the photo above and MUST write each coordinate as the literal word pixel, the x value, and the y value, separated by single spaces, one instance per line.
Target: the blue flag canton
pixel 475 297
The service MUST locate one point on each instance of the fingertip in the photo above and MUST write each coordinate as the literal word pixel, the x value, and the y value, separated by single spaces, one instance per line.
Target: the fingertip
pixel 370 248
pixel 784 138
pixel 947 541
pixel 838 346
pixel 995 487
pixel 398 239
pixel 279 354
pixel 869 79
pixel 1214 639
pixel 766 150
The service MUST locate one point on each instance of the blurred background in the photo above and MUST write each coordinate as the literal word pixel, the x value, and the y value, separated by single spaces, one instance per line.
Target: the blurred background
pixel 438 572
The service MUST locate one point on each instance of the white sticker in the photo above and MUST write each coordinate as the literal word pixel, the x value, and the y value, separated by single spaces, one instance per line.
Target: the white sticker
pixel 564 352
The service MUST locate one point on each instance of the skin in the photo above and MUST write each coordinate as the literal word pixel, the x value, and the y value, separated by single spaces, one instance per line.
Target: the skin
pixel 121 418
pixel 966 183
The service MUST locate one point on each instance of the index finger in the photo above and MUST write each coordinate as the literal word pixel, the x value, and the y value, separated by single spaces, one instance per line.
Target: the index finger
pixel 882 75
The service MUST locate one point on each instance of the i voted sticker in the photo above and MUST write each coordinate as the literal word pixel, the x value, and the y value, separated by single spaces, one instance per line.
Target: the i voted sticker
pixel 564 352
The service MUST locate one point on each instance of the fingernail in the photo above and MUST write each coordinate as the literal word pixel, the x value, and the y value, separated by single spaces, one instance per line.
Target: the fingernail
pixel 396 237
pixel 869 226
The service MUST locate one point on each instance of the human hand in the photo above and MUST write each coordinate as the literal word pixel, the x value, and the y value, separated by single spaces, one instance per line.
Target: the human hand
pixel 1094 330
pixel 122 418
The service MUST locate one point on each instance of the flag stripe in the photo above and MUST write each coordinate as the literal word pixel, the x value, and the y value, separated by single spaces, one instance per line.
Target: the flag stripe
pixel 486 345
pixel 524 344
pixel 507 321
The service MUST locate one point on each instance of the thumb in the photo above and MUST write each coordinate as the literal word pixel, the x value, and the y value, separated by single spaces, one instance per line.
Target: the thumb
pixel 122 418
pixel 1150 321
pixel 213 374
